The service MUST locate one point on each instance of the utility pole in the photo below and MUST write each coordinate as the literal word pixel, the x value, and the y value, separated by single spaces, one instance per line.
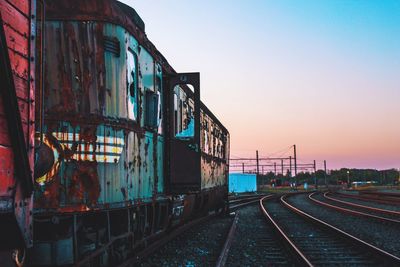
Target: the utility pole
pixel 282 166
pixel 348 179
pixel 275 168
pixel 290 166
pixel 315 176
pixel 295 164
pixel 258 167
pixel 242 167
pixel 262 169
pixel 325 172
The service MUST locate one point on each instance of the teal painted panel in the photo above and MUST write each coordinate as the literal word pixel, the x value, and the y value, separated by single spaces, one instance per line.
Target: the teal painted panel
pixel 98 163
pixel 147 168
pixel 111 167
pixel 160 164
pixel 132 162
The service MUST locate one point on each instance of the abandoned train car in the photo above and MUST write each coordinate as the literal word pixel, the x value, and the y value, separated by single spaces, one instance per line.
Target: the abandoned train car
pixel 124 148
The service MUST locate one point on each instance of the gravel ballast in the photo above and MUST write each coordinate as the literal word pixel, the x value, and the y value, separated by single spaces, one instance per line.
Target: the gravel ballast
pixel 255 243
pixel 198 246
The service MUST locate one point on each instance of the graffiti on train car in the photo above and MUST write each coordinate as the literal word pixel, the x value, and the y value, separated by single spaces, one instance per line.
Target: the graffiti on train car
pixel 109 138
pixel 214 146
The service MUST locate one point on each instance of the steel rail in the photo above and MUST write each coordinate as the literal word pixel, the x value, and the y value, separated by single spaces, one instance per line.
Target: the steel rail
pixel 227 245
pixel 239 200
pixel 369 199
pixel 384 255
pixel 351 211
pixel 233 197
pixel 391 212
pixel 248 202
pixel 299 255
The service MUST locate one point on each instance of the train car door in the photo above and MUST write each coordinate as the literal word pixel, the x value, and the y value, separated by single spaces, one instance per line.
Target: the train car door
pixel 184 133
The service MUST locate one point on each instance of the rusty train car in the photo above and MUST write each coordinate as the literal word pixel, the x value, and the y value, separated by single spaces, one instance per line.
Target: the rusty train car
pixel 112 147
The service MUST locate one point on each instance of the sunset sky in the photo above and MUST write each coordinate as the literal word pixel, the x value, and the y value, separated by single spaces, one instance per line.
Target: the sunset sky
pixel 324 75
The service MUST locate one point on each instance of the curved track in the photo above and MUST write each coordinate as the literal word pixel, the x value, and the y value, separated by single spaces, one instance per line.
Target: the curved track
pixel 370 198
pixel 374 209
pixel 356 209
pixel 315 242
pixel 255 242
pixel 240 202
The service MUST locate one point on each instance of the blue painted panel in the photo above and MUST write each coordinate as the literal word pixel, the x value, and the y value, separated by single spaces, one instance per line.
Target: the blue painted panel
pixel 239 182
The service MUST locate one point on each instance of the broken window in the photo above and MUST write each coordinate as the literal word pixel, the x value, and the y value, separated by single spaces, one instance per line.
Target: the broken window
pixel 158 87
pixel 151 109
pixel 131 84
pixel 183 113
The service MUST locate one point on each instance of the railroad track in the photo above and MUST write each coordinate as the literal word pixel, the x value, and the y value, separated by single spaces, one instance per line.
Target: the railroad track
pixel 240 202
pixel 314 242
pixel 370 198
pixel 363 202
pixel 255 243
pixel 227 245
pixel 381 214
pixel 234 204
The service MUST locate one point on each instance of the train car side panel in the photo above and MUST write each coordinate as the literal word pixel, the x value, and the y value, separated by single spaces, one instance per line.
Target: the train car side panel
pixel 15 202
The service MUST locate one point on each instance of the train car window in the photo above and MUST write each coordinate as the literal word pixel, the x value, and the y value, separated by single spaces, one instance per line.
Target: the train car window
pixel 151 109
pixel 184 114
pixel 206 142
pixel 131 84
pixel 175 114
pixel 158 86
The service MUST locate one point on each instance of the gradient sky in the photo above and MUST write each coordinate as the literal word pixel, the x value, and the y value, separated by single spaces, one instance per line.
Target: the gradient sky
pixel 324 75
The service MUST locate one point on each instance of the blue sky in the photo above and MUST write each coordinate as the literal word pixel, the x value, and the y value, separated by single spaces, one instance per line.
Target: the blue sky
pixel 324 75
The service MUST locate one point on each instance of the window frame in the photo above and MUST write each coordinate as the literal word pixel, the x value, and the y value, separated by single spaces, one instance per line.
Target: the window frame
pixel 136 84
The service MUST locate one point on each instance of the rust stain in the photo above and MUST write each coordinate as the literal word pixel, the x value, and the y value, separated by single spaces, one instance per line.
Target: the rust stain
pixel 49 196
pixel 85 186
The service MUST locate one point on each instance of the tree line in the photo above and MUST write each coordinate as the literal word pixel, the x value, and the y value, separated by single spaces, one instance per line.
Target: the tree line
pixel 334 177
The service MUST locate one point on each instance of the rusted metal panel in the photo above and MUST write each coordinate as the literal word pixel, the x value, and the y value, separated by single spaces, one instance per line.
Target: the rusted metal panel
pixel 115 86
pixel 106 157
pixel 104 11
pixel 87 170
pixel 19 65
pixel 17 42
pixel 20 87
pixel 19 33
pixel 94 166
pixel 6 173
pixel 75 65
pixel 14 19
pixel 214 143
pixel 22 6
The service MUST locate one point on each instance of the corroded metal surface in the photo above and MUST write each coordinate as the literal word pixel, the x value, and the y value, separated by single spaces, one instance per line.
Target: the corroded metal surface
pixel 17 148
pixel 94 124
pixel 215 153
